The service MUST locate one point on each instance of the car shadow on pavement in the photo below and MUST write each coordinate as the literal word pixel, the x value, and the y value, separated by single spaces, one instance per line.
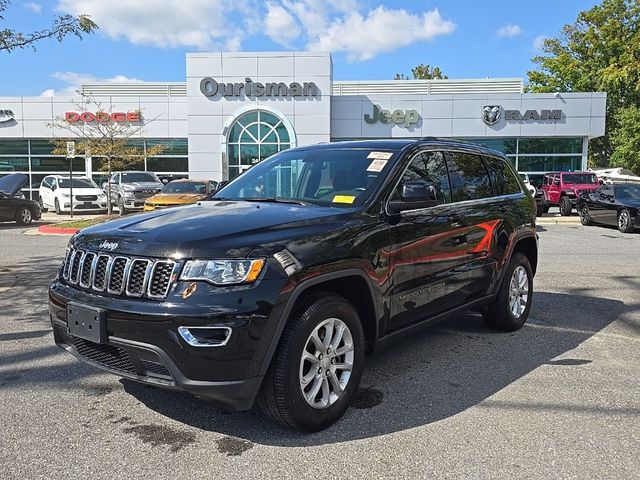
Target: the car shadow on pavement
pixel 434 375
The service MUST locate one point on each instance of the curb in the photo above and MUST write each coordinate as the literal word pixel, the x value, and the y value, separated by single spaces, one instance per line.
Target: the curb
pixel 53 230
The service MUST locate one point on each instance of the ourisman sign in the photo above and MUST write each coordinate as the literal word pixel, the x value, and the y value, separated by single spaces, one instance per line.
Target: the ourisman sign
pixel 209 87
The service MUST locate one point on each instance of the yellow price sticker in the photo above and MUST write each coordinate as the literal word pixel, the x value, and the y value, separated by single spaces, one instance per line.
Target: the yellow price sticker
pixel 344 199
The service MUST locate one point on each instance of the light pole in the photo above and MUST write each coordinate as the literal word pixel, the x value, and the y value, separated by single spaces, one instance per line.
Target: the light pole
pixel 71 152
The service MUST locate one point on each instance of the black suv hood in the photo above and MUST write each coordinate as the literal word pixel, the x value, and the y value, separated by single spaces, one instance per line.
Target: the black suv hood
pixel 13 183
pixel 226 229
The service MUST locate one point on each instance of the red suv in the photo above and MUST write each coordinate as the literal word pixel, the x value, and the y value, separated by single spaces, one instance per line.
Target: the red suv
pixel 564 188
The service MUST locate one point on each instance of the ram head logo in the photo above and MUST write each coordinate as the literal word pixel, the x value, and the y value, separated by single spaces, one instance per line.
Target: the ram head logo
pixel 491 114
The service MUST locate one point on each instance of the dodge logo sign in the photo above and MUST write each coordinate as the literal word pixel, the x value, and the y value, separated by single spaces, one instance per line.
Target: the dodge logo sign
pixel 491 114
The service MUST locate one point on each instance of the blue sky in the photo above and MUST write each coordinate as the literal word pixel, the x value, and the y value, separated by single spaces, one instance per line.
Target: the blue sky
pixel 147 39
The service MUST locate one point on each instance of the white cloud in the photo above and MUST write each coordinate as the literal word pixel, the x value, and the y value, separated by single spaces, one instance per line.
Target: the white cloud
pixel 33 6
pixel 538 42
pixel 74 80
pixel 382 30
pixel 280 25
pixel 509 30
pixel 200 24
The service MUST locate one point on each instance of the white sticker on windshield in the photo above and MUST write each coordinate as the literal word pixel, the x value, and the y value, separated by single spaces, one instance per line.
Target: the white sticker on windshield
pixel 380 155
pixel 376 165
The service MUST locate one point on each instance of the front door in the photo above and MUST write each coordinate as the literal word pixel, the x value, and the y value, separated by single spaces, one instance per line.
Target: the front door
pixel 426 247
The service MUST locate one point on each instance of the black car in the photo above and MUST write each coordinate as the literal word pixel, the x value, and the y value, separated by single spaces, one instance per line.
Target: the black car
pixel 617 205
pixel 13 206
pixel 277 287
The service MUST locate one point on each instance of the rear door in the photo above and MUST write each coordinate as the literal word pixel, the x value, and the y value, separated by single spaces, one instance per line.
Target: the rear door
pixel 427 247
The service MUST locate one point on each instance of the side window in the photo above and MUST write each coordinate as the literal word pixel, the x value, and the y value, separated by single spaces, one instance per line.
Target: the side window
pixel 469 177
pixel 114 178
pixel 45 182
pixel 556 180
pixel 502 178
pixel 429 166
pixel 54 183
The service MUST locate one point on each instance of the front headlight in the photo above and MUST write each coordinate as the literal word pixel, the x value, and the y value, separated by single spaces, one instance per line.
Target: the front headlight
pixel 223 272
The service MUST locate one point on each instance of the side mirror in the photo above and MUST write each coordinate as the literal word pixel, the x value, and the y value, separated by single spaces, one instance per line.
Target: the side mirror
pixel 105 185
pixel 415 194
pixel 165 181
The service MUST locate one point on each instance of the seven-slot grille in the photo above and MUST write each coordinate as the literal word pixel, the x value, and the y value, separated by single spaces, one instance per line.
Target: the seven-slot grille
pixel 117 275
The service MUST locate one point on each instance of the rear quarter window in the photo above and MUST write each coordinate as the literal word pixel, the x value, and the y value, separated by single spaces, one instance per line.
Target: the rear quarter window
pixel 468 176
pixel 503 179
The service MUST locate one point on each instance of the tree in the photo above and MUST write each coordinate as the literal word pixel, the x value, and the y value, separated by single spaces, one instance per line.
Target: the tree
pixel 599 52
pixel 625 140
pixel 116 143
pixel 423 72
pixel 61 26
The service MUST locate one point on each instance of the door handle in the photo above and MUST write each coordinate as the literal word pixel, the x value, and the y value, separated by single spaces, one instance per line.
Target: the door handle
pixel 454 217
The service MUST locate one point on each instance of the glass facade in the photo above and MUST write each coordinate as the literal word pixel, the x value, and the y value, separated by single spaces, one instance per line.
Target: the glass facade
pixel 254 136
pixel 34 158
pixel 538 154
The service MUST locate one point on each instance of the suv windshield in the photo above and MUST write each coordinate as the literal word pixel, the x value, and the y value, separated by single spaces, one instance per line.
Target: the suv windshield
pixel 185 187
pixel 130 177
pixel 576 178
pixel 77 183
pixel 336 177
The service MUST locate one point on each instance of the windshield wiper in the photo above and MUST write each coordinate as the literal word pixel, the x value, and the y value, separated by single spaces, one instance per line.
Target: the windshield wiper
pixel 274 200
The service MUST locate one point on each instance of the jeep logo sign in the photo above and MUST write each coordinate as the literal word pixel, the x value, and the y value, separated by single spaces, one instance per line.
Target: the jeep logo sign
pixel 404 118
pixel 210 88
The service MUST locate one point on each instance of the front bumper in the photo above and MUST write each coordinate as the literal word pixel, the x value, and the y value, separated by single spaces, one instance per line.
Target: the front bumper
pixel 89 206
pixel 143 344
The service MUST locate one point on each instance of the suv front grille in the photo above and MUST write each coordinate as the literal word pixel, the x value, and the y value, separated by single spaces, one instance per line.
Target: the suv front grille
pixel 118 275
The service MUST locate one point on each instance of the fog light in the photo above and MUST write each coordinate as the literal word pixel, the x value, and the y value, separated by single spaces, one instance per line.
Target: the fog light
pixel 205 336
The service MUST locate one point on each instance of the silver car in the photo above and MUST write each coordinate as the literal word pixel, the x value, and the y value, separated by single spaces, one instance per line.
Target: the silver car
pixel 129 190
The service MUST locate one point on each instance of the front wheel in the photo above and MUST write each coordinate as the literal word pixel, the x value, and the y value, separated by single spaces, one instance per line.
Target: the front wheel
pixel 56 205
pixel 24 216
pixel 585 216
pixel 510 308
pixel 318 364
pixel 565 206
pixel 624 221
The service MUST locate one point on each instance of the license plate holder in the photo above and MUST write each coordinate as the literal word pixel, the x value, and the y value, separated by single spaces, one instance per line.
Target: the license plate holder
pixel 87 322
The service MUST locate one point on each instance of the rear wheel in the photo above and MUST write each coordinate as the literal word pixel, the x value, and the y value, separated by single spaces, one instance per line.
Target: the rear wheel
pixel 510 308
pixel 624 221
pixel 317 367
pixel 24 216
pixel 565 206
pixel 585 216
pixel 44 210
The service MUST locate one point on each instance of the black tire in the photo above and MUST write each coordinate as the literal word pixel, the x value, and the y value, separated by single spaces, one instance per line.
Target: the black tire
pixel 565 206
pixel 625 225
pixel 546 208
pixel 24 216
pixel 42 209
pixel 281 397
pixel 585 216
pixel 122 210
pixel 56 205
pixel 539 210
pixel 499 315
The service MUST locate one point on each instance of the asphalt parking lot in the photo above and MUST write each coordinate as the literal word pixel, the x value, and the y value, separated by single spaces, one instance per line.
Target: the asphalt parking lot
pixel 559 399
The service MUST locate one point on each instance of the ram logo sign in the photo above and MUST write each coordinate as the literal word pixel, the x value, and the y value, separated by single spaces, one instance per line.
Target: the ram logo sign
pixel 491 114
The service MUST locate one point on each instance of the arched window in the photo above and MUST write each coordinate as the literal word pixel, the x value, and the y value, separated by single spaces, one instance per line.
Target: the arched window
pixel 254 136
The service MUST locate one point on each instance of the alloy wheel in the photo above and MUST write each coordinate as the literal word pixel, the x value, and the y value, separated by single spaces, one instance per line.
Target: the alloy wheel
pixel 585 218
pixel 326 363
pixel 26 216
pixel 518 291
pixel 623 220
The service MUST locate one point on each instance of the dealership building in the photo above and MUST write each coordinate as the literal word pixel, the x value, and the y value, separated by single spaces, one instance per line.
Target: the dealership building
pixel 235 109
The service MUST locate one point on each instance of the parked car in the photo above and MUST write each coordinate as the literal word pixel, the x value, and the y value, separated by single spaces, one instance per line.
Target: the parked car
pixel 275 289
pixel 562 189
pixel 617 205
pixel 180 192
pixel 55 193
pixel 525 178
pixel 130 189
pixel 13 206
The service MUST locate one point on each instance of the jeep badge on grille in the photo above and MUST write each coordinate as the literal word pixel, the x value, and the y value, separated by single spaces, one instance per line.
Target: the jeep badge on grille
pixel 111 246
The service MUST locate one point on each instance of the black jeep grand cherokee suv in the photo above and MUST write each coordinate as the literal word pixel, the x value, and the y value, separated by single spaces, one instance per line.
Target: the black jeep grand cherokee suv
pixel 276 288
